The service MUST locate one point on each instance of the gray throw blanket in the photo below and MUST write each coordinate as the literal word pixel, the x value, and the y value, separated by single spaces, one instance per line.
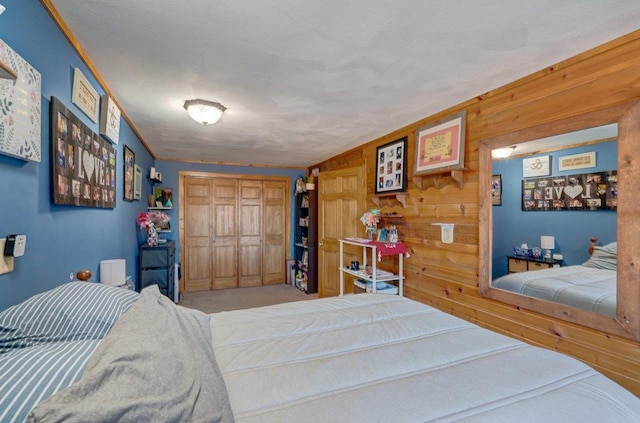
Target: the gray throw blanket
pixel 156 364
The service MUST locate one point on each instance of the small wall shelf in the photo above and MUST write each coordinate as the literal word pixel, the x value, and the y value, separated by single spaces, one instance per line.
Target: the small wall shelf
pixel 391 199
pixel 159 208
pixel 440 179
pixel 7 73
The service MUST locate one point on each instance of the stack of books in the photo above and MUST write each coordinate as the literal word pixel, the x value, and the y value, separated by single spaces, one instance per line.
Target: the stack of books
pixel 381 287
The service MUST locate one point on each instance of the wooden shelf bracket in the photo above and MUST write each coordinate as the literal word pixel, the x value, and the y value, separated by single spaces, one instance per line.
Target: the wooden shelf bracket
pixel 439 180
pixel 390 199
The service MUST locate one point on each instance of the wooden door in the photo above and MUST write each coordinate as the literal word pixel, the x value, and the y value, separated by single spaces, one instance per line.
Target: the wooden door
pixel 250 229
pixel 341 202
pixel 224 224
pixel 274 245
pixel 196 205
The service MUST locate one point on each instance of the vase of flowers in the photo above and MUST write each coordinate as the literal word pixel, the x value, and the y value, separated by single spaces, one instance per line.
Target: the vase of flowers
pixel 370 220
pixel 149 222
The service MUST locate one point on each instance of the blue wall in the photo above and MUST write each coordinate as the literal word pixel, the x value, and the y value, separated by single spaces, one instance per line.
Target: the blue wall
pixel 572 229
pixel 64 239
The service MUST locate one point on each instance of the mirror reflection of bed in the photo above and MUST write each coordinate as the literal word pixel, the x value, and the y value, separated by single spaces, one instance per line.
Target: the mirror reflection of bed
pixel 578 280
pixel 589 286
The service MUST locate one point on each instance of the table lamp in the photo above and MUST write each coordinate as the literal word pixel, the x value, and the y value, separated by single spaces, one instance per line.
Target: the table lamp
pixel 547 243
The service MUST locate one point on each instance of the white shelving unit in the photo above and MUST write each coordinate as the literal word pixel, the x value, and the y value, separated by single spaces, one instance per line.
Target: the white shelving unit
pixel 369 251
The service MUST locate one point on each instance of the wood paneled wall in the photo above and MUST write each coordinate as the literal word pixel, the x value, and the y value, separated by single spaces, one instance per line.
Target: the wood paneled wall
pixel 446 275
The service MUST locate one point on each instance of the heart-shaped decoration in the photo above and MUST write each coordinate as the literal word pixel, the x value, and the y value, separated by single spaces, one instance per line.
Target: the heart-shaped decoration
pixel 88 164
pixel 573 191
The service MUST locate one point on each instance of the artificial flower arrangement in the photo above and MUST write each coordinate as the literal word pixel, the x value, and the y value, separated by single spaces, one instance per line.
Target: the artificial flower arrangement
pixel 149 221
pixel 155 219
pixel 371 218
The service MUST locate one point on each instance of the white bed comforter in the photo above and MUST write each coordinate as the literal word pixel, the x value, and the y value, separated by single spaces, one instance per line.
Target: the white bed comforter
pixel 578 286
pixel 379 358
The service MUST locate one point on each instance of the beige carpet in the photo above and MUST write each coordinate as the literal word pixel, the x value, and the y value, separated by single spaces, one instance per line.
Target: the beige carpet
pixel 240 298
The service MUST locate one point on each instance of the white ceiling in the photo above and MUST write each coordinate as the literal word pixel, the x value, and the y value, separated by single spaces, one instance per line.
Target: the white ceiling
pixel 304 80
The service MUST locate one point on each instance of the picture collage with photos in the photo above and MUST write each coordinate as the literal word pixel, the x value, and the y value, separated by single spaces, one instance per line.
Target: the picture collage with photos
pixel 83 164
pixel 587 191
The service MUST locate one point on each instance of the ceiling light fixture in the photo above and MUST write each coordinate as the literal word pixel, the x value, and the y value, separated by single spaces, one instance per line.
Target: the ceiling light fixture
pixel 203 111
pixel 501 153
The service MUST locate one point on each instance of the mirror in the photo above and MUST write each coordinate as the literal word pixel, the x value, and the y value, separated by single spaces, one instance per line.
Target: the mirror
pixel 623 318
pixel 557 193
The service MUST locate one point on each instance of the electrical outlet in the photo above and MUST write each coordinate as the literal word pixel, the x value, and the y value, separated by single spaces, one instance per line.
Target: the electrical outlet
pixel 71 276
pixel 6 262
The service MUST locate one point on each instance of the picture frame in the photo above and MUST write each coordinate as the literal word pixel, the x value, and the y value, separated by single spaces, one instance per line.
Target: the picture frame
pixel 496 190
pixel 85 96
pixel 577 161
pixel 129 173
pixel 109 119
pixel 440 145
pixel 83 165
pixel 137 182
pixel 391 167
pixel 536 166
pixel 163 197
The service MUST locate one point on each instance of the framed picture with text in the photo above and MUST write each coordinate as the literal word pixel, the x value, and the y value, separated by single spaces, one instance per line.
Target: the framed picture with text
pixel 391 167
pixel 440 145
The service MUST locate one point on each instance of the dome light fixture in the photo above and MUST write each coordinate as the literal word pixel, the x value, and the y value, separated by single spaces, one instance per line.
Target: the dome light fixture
pixel 502 153
pixel 203 111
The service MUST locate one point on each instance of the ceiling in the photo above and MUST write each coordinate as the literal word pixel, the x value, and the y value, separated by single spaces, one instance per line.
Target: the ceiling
pixel 305 80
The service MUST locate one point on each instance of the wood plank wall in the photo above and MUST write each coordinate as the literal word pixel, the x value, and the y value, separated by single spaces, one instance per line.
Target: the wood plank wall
pixel 446 275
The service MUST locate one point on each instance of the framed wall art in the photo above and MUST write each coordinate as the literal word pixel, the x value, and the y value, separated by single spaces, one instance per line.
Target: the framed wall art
pixel 20 108
pixel 163 197
pixel 496 190
pixel 577 161
pixel 440 145
pixel 85 96
pixel 391 167
pixel 585 191
pixel 129 162
pixel 536 166
pixel 109 119
pixel 137 182
pixel 83 165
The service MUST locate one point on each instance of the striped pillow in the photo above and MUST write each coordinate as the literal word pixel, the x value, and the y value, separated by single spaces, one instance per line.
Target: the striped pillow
pixel 73 311
pixel 46 341
pixel 31 375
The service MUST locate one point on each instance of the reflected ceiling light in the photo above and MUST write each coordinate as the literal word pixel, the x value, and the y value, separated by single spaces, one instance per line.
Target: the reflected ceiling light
pixel 501 153
pixel 203 111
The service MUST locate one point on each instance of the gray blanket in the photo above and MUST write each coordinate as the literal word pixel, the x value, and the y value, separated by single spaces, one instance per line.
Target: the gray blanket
pixel 156 364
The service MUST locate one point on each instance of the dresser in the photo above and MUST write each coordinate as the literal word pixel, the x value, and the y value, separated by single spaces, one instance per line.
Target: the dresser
pixel 157 267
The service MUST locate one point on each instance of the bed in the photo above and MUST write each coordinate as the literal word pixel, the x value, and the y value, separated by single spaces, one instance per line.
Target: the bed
pixel 89 352
pixel 590 286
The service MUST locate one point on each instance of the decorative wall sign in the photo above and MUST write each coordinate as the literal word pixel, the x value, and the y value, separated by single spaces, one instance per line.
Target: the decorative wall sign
pixel 536 166
pixel 441 145
pixel 83 165
pixel 586 191
pixel 577 161
pixel 129 162
pixel 85 96
pixel 109 119
pixel 20 118
pixel 391 167
pixel 137 182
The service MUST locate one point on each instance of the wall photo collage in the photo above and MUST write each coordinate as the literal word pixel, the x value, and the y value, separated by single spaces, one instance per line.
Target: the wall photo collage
pixel 83 164
pixel 586 191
